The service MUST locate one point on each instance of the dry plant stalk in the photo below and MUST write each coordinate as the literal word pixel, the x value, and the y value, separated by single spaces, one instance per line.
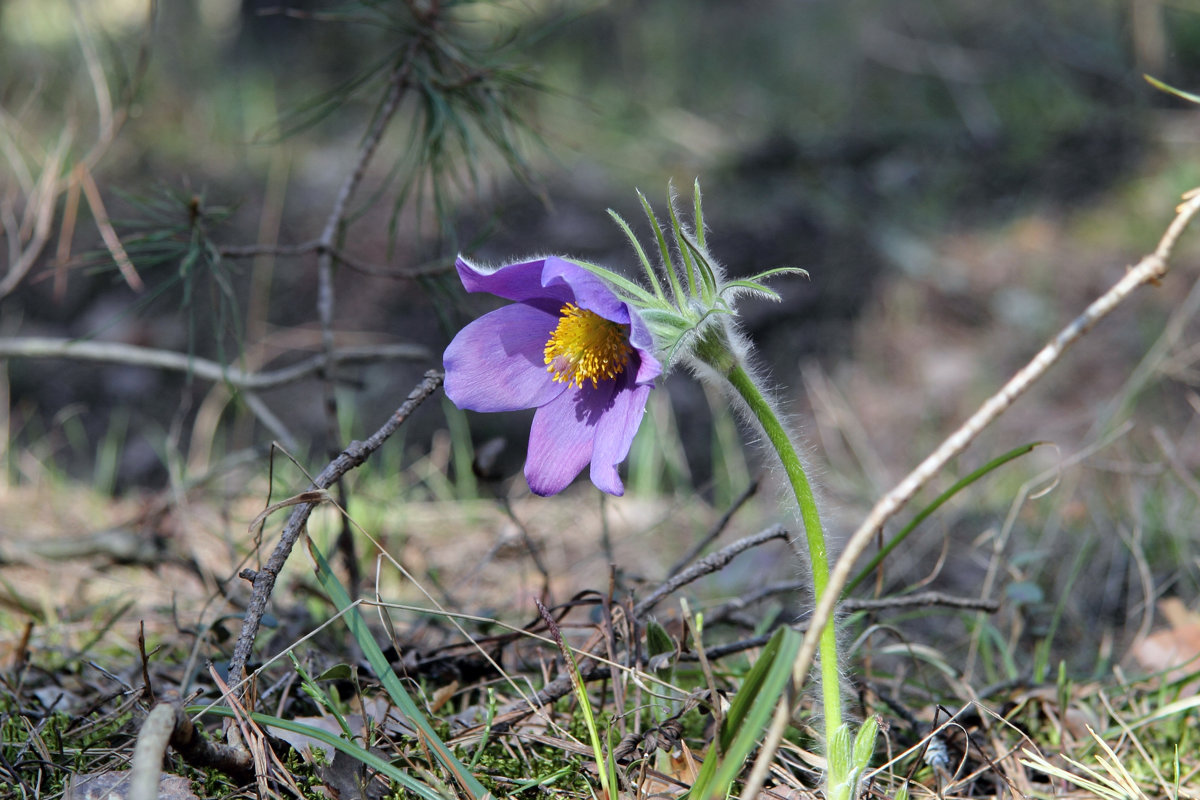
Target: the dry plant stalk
pixel 1151 269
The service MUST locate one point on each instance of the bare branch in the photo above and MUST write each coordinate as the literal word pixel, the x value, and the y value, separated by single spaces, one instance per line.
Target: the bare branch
pixel 726 610
pixel 921 599
pixel 429 269
pixel 195 748
pixel 426 270
pixel 132 355
pixel 330 236
pixel 1150 269
pixel 337 215
pixel 707 566
pixel 254 250
pixel 150 749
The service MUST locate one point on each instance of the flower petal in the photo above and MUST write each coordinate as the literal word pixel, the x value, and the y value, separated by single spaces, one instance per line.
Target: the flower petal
pixel 649 367
pixel 588 291
pixel 521 282
pixel 595 295
pixel 496 363
pixel 560 441
pixel 614 435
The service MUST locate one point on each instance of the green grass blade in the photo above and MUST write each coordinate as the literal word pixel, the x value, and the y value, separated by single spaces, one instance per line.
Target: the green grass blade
pixel 748 717
pixel 941 500
pixel 605 765
pixel 1157 84
pixel 395 689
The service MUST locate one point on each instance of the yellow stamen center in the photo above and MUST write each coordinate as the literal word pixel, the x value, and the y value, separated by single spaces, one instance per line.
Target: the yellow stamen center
pixel 586 346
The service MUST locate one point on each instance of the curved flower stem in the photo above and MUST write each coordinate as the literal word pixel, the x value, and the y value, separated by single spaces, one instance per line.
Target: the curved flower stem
pixel 762 410
pixel 716 351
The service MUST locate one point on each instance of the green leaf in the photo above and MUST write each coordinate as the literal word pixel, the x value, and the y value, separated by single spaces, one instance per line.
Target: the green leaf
pixel 708 275
pixel 697 213
pixel 752 288
pixel 776 272
pixel 659 644
pixel 684 253
pixel 677 292
pixel 864 743
pixel 669 319
pixel 748 716
pixel 338 672
pixel 839 758
pixel 637 246
pixel 320 696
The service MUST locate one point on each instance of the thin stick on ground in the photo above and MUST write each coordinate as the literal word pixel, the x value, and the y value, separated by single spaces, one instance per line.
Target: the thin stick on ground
pixel 355 454
pixel 1151 269
pixel 707 566
pixel 728 609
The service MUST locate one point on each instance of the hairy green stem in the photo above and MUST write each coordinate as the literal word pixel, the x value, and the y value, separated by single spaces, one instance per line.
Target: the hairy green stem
pixel 818 558
pixel 715 350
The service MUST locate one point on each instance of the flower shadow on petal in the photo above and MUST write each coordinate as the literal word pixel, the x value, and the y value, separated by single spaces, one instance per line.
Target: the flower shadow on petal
pixel 592 404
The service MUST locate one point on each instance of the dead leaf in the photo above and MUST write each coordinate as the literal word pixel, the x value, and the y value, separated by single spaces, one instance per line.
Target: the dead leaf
pixel 347 778
pixel 1173 651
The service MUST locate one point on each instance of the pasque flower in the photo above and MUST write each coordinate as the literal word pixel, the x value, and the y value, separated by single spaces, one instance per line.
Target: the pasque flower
pixel 582 344
pixel 569 347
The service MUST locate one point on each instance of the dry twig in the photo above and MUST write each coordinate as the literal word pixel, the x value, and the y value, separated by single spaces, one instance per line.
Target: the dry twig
pixel 726 610
pixel 707 566
pixel 153 358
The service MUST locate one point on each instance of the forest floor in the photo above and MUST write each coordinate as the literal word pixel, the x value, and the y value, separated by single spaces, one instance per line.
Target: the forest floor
pixel 1087 547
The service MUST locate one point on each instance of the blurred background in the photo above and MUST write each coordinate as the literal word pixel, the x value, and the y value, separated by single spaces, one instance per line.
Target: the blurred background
pixel 959 179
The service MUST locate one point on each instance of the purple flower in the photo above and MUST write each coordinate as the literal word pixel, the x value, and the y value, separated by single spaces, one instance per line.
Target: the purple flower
pixel 567 346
